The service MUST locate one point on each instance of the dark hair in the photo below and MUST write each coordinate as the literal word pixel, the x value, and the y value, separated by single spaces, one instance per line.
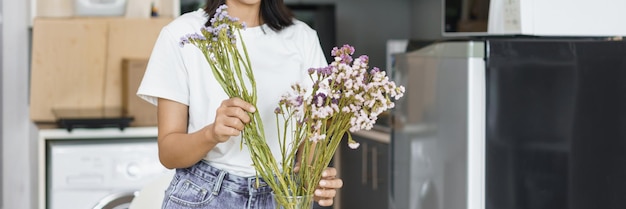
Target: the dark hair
pixel 274 13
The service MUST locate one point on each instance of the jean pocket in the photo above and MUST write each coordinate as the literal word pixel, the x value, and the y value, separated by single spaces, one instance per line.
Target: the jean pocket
pixel 191 194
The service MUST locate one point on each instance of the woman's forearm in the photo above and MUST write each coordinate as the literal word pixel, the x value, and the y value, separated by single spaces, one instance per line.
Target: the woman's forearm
pixel 177 148
pixel 182 150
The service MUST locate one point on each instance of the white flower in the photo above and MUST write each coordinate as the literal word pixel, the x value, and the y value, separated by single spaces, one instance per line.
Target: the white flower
pixel 317 137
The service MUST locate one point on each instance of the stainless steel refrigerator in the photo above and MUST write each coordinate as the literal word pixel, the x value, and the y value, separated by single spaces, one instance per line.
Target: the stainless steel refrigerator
pixel 519 123
pixel 1 102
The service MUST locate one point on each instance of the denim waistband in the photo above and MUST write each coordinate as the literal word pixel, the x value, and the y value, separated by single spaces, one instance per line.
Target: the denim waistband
pixel 229 181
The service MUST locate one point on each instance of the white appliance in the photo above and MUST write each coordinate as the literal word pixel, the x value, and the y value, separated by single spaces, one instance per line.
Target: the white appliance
pixel 100 7
pixel 598 18
pixel 1 108
pixel 558 17
pixel 96 168
pixel 142 8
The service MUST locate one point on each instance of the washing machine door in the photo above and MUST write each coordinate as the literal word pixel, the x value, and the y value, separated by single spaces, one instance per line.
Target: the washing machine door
pixel 119 200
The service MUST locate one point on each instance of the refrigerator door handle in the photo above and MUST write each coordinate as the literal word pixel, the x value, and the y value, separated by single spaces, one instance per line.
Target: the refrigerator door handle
pixel 374 168
pixel 364 164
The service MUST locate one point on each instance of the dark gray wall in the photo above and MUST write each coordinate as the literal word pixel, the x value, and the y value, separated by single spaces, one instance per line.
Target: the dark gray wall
pixel 426 19
pixel 368 24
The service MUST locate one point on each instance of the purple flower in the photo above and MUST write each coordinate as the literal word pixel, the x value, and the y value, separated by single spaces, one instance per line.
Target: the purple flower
pixel 187 39
pixel 325 71
pixel 349 49
pixel 299 100
pixel 233 19
pixel 221 8
pixel 319 99
pixel 374 70
pixel 208 29
pixel 344 53
pixel 345 49
pixel 196 36
pixel 218 28
pixel 183 41
pixel 334 52
pixel 346 58
pixel 364 58
pixel 278 110
pixel 231 36
pixel 223 15
pixel 303 121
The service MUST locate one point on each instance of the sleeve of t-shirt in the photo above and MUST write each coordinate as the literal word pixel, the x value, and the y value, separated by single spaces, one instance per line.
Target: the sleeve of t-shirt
pixel 314 56
pixel 166 75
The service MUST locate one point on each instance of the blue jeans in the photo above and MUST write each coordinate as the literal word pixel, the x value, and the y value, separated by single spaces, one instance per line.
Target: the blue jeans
pixel 206 187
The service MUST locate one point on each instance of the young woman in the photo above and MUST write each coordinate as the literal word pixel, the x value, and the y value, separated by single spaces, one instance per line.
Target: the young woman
pixel 199 126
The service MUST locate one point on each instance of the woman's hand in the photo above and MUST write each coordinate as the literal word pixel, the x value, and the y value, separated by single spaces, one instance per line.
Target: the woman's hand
pixel 328 186
pixel 230 119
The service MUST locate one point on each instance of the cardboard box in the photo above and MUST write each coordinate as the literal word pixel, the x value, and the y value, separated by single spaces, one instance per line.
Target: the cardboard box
pixel 144 113
pixel 127 38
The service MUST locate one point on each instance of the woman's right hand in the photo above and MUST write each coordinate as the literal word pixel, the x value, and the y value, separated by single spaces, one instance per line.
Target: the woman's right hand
pixel 230 118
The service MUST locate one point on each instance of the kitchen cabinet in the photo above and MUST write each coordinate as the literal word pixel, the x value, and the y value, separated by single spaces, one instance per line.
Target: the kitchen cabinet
pixel 68 62
pixel 77 62
pixel 365 172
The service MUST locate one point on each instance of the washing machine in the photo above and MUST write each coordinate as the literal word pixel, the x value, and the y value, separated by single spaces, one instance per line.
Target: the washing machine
pixel 99 170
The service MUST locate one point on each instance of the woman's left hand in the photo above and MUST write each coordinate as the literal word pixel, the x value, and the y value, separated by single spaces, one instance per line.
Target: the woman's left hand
pixel 328 186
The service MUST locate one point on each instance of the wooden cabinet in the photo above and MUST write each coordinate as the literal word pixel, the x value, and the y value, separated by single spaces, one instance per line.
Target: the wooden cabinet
pixel 365 172
pixel 67 66
pixel 77 62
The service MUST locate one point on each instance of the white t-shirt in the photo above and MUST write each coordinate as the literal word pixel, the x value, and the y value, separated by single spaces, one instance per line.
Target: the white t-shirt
pixel 279 59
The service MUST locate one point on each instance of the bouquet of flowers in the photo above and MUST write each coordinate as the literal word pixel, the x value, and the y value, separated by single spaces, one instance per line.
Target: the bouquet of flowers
pixel 232 69
pixel 345 97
